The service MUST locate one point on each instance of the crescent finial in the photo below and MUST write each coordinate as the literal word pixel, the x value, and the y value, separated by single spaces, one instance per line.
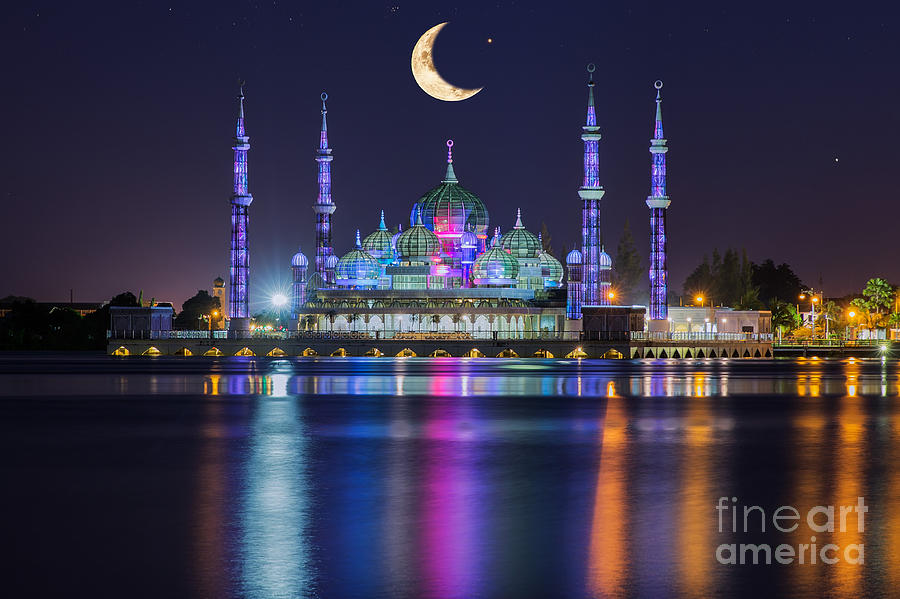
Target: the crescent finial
pixel 658 84
pixel 449 150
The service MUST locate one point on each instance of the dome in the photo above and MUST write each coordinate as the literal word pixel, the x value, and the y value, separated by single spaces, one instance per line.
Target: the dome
pixel 299 259
pixel 551 268
pixel 574 257
pixel 495 267
pixel 520 242
pixel 379 243
pixel 357 267
pixel 468 239
pixel 451 209
pixel 218 282
pixel 331 261
pixel 604 259
pixel 418 241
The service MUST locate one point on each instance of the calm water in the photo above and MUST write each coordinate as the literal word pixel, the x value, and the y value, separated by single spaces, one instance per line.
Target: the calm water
pixel 247 477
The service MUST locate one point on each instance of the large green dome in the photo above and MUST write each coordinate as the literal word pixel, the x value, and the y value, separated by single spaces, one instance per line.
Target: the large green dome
pixel 450 208
pixel 520 242
pixel 418 242
pixel 495 267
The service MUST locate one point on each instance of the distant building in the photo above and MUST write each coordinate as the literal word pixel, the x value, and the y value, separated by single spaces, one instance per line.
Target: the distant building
pixel 218 291
pixel 82 308
pixel 138 322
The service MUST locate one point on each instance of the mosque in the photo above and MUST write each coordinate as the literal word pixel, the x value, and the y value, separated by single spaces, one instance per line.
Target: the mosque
pixel 454 282
pixel 449 273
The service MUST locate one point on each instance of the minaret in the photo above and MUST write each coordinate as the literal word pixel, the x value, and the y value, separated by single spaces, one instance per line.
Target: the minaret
pixel 324 207
pixel 239 303
pixel 658 202
pixel 591 192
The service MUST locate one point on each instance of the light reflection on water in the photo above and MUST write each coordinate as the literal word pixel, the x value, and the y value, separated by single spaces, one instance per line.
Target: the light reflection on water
pixel 460 478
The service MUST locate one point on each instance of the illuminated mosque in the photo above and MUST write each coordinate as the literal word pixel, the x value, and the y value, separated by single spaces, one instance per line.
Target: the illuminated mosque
pixel 450 272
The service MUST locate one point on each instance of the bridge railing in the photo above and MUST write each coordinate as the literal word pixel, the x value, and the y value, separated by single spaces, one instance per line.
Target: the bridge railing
pixel 701 336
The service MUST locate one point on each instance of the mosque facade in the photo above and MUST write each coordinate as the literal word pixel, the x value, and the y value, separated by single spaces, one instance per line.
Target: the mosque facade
pixel 451 271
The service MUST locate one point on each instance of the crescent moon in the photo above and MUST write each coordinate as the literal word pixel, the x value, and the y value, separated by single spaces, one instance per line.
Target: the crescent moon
pixel 426 74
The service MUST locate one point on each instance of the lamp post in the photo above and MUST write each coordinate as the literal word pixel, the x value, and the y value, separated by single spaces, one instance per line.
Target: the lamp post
pixel 700 299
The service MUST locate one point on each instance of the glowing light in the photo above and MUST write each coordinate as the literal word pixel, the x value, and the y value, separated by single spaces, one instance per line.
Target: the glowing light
pixel 851 314
pixel 699 298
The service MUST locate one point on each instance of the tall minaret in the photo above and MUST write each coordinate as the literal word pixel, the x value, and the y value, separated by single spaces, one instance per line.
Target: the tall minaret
pixel 239 304
pixel 658 202
pixel 324 207
pixel 590 192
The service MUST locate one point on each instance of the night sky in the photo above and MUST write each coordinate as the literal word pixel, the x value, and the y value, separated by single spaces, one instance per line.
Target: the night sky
pixel 782 120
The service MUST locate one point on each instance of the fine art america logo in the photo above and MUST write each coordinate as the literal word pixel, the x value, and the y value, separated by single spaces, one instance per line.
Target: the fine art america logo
pixel 820 519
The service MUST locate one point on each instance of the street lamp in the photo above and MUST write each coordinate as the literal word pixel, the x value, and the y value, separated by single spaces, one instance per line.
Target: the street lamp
pixel 699 298
pixel 611 295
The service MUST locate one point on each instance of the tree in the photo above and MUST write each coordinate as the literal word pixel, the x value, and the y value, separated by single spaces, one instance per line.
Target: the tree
pixel 727 281
pixel 876 301
pixel 701 281
pixel 784 315
pixel 629 267
pixel 194 309
pixel 776 282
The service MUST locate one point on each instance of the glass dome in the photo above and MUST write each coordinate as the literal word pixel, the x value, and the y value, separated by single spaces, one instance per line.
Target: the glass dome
pixel 357 266
pixel 495 267
pixel 574 257
pixel 551 269
pixel 450 208
pixel 418 241
pixel 299 260
pixel 604 259
pixel 520 242
pixel 378 244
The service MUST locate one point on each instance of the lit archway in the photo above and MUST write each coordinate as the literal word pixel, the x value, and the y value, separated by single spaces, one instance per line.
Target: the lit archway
pixel 543 353
pixel 277 352
pixel 406 353
pixel 473 353
pixel 184 352
pixel 440 353
pixel 309 352
pixel 151 351
pixel 508 353
pixel 121 351
pixel 244 351
pixel 213 351
pixel 613 354
pixel 339 353
pixel 576 354
pixel 374 353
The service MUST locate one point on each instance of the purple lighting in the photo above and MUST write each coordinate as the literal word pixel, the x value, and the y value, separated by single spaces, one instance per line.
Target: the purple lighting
pixel 591 192
pixel 324 206
pixel 658 202
pixel 239 304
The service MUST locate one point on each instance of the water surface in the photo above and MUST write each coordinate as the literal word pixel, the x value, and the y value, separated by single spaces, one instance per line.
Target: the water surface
pixel 341 477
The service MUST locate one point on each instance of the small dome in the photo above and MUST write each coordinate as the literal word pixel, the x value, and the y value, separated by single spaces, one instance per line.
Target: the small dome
pixel 418 241
pixel 299 260
pixel 379 243
pixel 357 267
pixel 520 242
pixel 468 239
pixel 574 257
pixel 218 282
pixel 551 269
pixel 331 261
pixel 605 260
pixel 495 267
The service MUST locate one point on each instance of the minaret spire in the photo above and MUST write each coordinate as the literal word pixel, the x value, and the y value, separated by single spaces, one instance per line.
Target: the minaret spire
pixel 451 175
pixel 239 297
pixel 324 206
pixel 658 202
pixel 590 193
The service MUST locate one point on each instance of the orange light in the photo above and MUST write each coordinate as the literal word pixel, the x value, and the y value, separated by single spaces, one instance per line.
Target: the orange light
pixel 815 299
pixel 802 296
pixel 612 294
pixel 851 314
